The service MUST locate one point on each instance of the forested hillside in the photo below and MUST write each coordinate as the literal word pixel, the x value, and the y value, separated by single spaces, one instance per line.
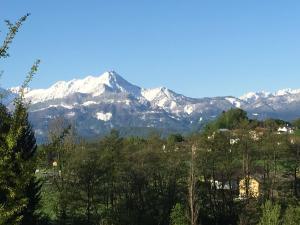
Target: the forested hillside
pixel 171 181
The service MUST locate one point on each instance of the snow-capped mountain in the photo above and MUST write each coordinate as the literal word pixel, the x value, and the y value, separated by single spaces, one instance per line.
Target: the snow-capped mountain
pixel 254 96
pixel 283 104
pixel 94 86
pixel 97 104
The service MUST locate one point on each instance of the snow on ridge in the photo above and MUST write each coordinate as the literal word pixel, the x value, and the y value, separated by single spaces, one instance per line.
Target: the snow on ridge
pixel 71 114
pixel 16 90
pixel 116 82
pixel 152 93
pixel 255 95
pixel 173 105
pixel 87 103
pixel 53 106
pixel 189 109
pixel 103 116
pixel 287 91
pixel 234 101
pixel 88 85
pixel 161 97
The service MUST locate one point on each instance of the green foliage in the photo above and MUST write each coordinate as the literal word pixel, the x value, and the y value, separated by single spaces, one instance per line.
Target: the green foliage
pixel 273 124
pixel 296 123
pixel 270 214
pixel 292 216
pixel 178 216
pixel 25 145
pixel 117 181
pixel 139 181
pixel 297 132
pixel 249 213
pixel 13 29
pixel 19 190
pixel 175 138
pixel 31 214
pixel 17 169
pixel 229 120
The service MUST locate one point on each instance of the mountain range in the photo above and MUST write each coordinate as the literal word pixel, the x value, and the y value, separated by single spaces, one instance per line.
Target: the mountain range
pixel 94 105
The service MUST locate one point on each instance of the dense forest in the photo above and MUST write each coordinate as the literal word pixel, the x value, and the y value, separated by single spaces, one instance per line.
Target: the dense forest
pixel 236 171
pixel 177 180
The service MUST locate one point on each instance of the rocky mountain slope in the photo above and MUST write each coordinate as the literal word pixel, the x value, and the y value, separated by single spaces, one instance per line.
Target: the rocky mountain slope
pixel 94 105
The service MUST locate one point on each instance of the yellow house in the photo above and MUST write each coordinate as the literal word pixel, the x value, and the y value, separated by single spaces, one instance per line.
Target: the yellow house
pixel 253 189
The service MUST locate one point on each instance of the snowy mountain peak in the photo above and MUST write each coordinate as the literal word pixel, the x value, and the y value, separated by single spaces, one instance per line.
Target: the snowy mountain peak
pixel 99 103
pixel 152 94
pixel 16 90
pixel 110 78
pixel 253 96
pixel 118 83
pixel 287 91
pixel 91 85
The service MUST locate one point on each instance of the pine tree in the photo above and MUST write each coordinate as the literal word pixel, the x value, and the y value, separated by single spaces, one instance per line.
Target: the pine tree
pixel 178 216
pixel 193 197
pixel 26 147
pixel 12 199
pixel 18 189
pixel 292 216
pixel 271 214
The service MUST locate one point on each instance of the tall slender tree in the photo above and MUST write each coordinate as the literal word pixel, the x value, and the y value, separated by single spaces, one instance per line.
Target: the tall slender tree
pixel 19 190
pixel 193 198
pixel 26 147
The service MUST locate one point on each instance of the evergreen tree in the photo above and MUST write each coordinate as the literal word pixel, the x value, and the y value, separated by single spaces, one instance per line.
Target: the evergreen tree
pixel 228 120
pixel 292 216
pixel 178 216
pixel 12 198
pixel 271 214
pixel 26 147
pixel 19 190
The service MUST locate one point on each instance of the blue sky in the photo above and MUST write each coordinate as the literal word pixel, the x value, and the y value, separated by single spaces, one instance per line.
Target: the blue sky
pixel 197 48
